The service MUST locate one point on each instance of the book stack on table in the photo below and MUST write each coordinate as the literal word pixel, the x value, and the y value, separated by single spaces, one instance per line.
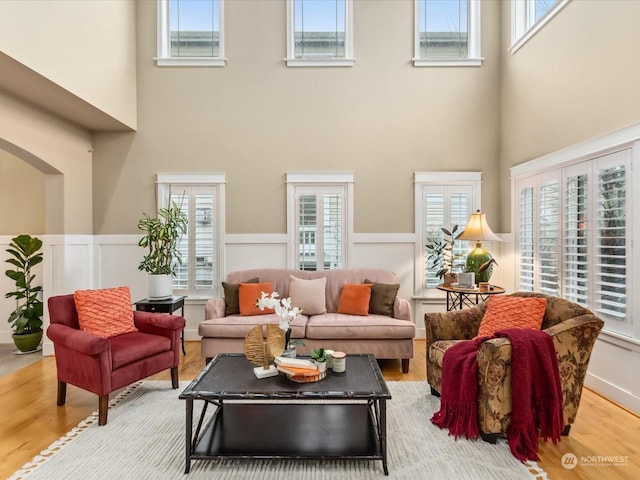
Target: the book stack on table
pixel 299 370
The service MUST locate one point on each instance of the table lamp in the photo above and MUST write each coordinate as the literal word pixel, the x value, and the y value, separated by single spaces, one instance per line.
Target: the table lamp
pixel 479 260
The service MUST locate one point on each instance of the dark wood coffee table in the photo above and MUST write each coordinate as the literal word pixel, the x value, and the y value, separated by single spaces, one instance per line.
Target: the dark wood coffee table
pixel 342 416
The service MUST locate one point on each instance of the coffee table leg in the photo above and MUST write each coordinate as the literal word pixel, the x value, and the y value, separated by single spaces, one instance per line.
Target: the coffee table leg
pixel 188 433
pixel 383 434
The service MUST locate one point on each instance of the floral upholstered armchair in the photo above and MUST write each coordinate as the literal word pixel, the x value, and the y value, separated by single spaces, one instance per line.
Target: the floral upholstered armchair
pixel 573 329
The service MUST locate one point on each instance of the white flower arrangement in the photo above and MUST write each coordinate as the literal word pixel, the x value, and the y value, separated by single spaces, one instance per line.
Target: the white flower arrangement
pixel 282 306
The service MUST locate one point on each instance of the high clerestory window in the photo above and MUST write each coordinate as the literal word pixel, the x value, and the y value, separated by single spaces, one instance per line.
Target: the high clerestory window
pixel 319 33
pixel 447 32
pixel 190 33
pixel 529 16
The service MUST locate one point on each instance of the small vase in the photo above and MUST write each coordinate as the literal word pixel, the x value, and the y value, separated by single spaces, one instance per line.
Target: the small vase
pixel 289 352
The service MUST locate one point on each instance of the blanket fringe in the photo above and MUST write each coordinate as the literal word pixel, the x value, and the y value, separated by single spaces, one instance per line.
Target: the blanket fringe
pixel 461 418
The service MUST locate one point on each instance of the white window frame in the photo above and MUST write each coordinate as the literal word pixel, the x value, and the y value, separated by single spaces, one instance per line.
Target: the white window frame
pixel 474 57
pixel 523 24
pixel 423 180
pixel 347 61
pixel 594 151
pixel 164 58
pixel 321 180
pixel 164 181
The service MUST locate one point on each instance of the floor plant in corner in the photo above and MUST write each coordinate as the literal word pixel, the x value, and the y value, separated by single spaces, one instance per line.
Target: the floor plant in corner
pixel 26 319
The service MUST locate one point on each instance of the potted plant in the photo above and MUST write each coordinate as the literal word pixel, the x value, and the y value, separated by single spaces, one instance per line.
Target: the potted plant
pixel 442 256
pixel 26 319
pixel 161 238
pixel 320 359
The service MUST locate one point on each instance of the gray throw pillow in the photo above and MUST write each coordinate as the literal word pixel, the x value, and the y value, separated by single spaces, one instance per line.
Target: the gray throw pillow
pixel 383 296
pixel 232 296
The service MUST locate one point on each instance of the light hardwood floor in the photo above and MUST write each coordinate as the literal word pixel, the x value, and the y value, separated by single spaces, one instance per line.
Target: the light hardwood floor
pixel 30 420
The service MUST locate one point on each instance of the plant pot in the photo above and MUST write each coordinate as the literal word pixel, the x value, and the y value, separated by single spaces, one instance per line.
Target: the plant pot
pixel 450 278
pixel 27 342
pixel 160 287
pixel 322 366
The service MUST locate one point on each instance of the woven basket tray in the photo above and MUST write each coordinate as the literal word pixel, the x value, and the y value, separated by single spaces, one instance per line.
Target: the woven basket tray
pixel 307 379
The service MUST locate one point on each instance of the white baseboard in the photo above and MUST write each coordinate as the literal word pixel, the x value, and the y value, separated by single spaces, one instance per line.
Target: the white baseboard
pixel 613 392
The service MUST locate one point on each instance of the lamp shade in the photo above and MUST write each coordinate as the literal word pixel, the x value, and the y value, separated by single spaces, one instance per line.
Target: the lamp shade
pixel 477 229
pixel 479 260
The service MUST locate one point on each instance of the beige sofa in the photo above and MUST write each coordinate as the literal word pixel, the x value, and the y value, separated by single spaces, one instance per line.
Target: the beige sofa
pixel 383 336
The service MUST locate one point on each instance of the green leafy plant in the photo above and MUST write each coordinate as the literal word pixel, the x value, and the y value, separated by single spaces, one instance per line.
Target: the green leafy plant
pixel 442 256
pixel 318 355
pixel 161 238
pixel 25 254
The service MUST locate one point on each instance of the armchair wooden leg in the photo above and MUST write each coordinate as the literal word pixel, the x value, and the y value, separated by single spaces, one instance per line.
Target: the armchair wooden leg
pixel 405 365
pixel 103 408
pixel 434 392
pixel 174 377
pixel 62 392
pixel 489 437
pixel 565 430
pixel 207 360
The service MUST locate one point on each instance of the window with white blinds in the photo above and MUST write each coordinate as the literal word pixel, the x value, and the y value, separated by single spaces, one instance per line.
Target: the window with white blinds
pixel 576 238
pixel 549 235
pixel 611 243
pixel 526 243
pixel 200 197
pixel 190 32
pixel 447 207
pixel 319 32
pixel 442 200
pixel 320 228
pixel 318 219
pixel 573 236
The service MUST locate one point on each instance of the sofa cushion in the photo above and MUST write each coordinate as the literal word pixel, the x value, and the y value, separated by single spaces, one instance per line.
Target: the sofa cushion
pixel 341 326
pixel 354 299
pixel 383 297
pixel 249 293
pixel 231 296
pixel 336 278
pixel 129 348
pixel 106 312
pixel 512 312
pixel 238 326
pixel 308 294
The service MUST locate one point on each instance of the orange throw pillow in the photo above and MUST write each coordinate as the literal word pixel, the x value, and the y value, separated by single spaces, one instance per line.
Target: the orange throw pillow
pixel 512 312
pixel 106 312
pixel 249 293
pixel 354 299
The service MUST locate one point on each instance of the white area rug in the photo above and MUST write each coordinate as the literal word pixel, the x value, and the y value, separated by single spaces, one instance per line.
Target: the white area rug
pixel 144 439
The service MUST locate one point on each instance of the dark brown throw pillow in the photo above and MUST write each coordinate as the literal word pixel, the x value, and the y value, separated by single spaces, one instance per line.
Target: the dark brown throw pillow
pixel 383 296
pixel 232 296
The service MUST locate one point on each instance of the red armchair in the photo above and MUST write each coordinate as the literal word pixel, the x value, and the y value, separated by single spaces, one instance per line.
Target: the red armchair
pixel 102 365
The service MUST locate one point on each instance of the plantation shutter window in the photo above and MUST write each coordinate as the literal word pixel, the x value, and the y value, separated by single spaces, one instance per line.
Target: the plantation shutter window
pixel 321 215
pixel 576 236
pixel 574 227
pixel 526 244
pixel 611 243
pixel 549 235
pixel 445 206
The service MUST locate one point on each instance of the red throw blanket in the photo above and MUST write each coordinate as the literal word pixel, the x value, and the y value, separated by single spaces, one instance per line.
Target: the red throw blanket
pixel 536 392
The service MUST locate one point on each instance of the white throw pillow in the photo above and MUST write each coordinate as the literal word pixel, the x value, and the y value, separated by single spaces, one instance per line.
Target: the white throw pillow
pixel 308 295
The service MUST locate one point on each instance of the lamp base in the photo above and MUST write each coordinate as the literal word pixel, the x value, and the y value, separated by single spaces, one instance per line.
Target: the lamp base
pixel 475 259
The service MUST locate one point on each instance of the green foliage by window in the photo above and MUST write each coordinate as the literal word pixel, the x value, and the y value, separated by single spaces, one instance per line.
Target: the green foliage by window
pixel 161 238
